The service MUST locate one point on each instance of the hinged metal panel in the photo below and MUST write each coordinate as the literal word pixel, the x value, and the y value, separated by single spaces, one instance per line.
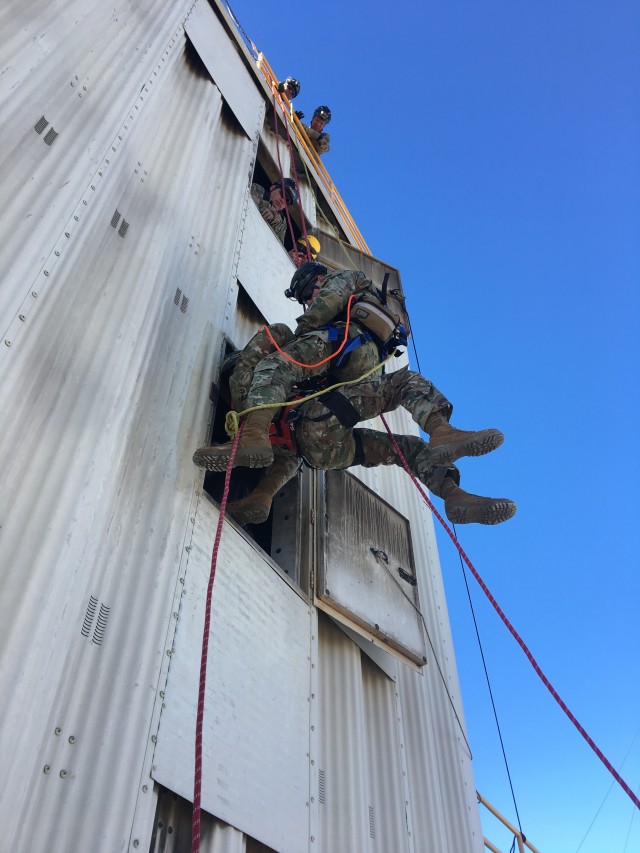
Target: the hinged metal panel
pixel 225 66
pixel 366 567
pixel 255 769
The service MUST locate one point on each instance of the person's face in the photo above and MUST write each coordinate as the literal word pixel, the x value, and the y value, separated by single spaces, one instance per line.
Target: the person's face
pixel 277 199
pixel 315 290
pixel 317 124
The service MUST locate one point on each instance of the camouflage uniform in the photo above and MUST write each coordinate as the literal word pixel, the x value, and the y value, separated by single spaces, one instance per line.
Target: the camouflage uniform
pixel 275 376
pixel 324 442
pixel 274 218
pixel 320 140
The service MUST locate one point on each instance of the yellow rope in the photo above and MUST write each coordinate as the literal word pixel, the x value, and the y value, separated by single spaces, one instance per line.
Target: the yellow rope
pixel 232 419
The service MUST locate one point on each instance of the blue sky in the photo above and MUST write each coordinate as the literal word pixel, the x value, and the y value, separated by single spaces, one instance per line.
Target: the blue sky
pixel 491 151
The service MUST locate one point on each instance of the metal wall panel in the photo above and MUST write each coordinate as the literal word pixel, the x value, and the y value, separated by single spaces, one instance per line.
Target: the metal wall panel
pixel 86 67
pixel 366 564
pixel 256 769
pixel 105 392
pixel 225 66
pixel 265 269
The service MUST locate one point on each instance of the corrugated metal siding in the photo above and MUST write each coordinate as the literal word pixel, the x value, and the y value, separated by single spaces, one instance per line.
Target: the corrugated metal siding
pixel 255 767
pixel 105 399
pixel 105 391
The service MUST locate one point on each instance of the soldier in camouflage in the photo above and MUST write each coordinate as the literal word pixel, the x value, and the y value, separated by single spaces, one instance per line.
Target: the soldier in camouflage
pixel 307 355
pixel 272 203
pixel 325 437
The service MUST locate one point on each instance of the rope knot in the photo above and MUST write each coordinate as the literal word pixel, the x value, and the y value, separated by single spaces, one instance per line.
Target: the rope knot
pixel 231 424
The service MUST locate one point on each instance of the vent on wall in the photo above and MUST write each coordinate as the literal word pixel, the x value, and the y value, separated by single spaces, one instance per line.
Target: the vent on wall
pixel 40 124
pixel 181 300
pixel 372 823
pixel 50 136
pixel 322 793
pixel 92 627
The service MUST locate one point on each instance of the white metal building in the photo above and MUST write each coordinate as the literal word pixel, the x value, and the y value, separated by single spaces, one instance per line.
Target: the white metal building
pixel 133 258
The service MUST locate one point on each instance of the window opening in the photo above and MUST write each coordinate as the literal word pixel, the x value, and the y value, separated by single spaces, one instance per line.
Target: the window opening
pixel 281 535
pixel 266 173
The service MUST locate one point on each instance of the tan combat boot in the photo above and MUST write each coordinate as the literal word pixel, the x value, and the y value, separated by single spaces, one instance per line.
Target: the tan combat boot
pixel 255 507
pixel 254 448
pixel 446 443
pixel 463 508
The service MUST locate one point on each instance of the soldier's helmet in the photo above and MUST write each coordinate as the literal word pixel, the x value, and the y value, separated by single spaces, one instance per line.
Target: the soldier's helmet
pixel 304 280
pixel 312 242
pixel 324 113
pixel 292 85
pixel 290 191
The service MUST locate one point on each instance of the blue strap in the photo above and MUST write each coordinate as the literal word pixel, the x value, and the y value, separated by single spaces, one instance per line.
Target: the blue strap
pixel 354 343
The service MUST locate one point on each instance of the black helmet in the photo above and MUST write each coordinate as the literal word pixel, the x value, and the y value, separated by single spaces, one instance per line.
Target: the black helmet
pixel 303 281
pixel 324 113
pixel 292 84
pixel 289 187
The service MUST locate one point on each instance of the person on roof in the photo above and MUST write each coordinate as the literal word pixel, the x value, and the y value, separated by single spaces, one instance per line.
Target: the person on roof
pixel 290 88
pixel 266 376
pixel 323 435
pixel 315 131
pixel 272 203
pixel 305 249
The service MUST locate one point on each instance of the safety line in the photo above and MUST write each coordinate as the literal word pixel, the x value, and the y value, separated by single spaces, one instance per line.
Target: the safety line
pixel 635 799
pixel 324 360
pixel 232 418
pixel 197 776
pixel 486 674
pixel 295 180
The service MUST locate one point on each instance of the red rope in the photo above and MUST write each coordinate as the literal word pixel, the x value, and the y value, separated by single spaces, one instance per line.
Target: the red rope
pixel 511 629
pixel 295 180
pixel 197 778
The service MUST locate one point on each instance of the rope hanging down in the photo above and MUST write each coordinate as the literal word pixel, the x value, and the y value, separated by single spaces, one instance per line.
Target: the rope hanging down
pixel 625 787
pixel 197 776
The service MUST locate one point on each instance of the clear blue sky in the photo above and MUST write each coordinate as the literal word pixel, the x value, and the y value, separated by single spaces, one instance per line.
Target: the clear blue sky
pixel 490 149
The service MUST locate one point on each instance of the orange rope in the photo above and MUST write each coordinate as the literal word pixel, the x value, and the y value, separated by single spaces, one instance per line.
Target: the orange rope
pixel 324 360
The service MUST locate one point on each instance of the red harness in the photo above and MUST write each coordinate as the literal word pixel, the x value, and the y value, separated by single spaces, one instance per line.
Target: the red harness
pixel 281 433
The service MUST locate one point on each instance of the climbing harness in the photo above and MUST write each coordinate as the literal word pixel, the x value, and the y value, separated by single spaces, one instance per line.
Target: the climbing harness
pixel 232 419
pixel 281 432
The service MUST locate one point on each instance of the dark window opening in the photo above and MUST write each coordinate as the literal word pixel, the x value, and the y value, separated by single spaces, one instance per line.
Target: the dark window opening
pixel 267 175
pixel 280 535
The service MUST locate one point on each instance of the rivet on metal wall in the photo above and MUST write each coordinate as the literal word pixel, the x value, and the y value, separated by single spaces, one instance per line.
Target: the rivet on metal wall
pixel 145 789
pixel 72 739
pixel 7 343
pixel 22 317
pixel 46 272
pixel 57 730
pixel 63 774
pixel 67 234
pixel 77 218
pixel 136 843
pixel 46 769
pixel 57 253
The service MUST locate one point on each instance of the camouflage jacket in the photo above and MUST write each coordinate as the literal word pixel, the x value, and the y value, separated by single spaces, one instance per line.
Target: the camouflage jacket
pixel 274 219
pixel 321 141
pixel 333 298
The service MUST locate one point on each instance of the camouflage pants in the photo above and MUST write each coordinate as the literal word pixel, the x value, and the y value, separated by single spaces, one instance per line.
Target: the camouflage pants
pixel 264 376
pixel 325 443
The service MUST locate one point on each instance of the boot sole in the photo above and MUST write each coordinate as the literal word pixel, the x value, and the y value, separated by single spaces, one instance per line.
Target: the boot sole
pixel 495 513
pixel 250 457
pixel 249 515
pixel 484 443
